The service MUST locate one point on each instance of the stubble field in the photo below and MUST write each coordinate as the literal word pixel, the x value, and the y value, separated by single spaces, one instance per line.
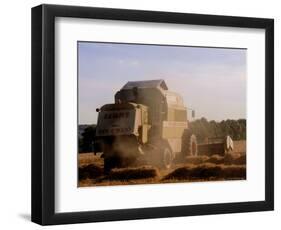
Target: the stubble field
pixel 232 166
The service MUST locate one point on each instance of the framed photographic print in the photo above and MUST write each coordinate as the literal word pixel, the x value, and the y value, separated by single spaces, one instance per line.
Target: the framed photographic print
pixel 143 114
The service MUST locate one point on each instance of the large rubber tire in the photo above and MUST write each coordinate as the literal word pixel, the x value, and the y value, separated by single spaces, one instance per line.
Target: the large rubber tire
pixel 189 147
pixel 111 159
pixel 166 158
pixel 108 164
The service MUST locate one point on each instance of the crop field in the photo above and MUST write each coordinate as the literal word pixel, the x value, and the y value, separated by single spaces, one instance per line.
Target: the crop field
pixel 231 166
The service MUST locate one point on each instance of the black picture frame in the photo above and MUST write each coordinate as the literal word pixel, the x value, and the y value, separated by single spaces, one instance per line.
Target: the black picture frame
pixel 43 114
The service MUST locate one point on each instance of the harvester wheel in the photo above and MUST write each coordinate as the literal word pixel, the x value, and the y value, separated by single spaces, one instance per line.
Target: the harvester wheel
pixel 166 158
pixel 108 164
pixel 189 144
pixel 111 162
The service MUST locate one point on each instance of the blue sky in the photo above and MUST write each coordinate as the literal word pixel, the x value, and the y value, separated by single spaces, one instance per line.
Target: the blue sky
pixel 211 80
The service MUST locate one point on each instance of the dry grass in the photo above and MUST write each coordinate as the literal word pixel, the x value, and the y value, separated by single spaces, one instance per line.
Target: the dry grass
pixel 89 158
pixel 207 171
pixel 241 160
pixel 227 159
pixel 215 159
pixel 90 171
pixel 234 171
pixel 200 168
pixel 240 147
pixel 196 159
pixel 133 173
pixel 121 176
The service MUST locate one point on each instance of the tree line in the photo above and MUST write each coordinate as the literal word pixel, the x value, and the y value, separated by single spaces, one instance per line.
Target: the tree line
pixel 203 129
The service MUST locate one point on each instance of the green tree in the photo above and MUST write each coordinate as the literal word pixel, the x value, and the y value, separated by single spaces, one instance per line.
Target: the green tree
pixel 87 140
pixel 203 129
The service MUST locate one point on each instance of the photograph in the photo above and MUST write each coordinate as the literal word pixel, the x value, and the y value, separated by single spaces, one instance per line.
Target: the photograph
pixel 150 113
pixel 174 108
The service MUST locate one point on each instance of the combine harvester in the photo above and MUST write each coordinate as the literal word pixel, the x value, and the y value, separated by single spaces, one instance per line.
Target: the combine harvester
pixel 147 121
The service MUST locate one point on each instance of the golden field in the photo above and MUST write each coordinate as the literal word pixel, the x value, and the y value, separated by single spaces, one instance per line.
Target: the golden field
pixel 231 166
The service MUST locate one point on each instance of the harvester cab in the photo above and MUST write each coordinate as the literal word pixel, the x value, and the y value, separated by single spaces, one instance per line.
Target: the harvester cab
pixel 123 119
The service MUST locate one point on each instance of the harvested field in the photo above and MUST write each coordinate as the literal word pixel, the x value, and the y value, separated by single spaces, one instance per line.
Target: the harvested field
pixel 240 146
pixel 194 168
pixel 133 173
pixel 207 171
pixel 228 159
pixel 196 159
pixel 90 171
